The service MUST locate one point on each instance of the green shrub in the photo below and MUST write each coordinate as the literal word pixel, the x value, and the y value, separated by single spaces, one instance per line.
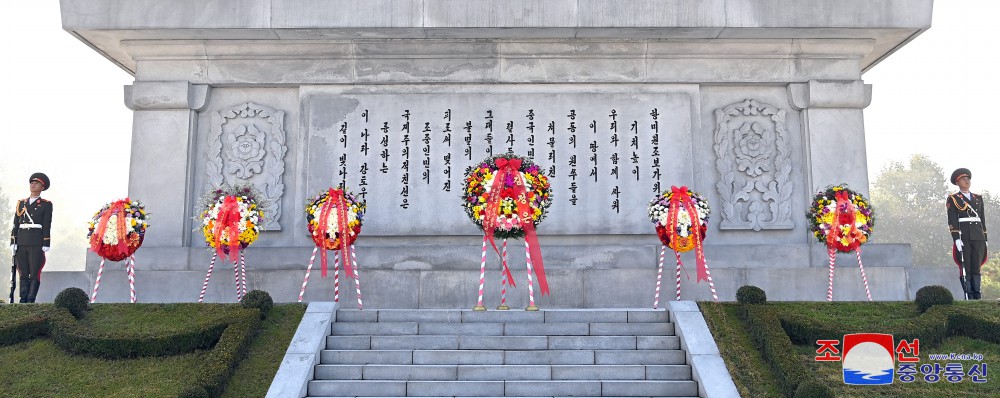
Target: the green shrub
pixel 77 338
pixel 23 329
pixel 193 392
pixel 813 389
pixel 75 300
pixel 933 295
pixel 767 335
pixel 748 294
pixel 227 353
pixel 260 300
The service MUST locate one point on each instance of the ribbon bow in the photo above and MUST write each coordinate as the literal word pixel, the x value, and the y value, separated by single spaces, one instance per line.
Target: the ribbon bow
pixel 335 202
pixel 682 197
pixel 118 207
pixel 228 222
pixel 509 169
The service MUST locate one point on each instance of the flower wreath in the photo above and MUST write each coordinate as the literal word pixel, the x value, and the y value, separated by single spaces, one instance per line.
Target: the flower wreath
pixel 506 196
pixel 231 218
pixel 680 218
pixel 117 230
pixel 480 182
pixel 332 215
pixel 841 218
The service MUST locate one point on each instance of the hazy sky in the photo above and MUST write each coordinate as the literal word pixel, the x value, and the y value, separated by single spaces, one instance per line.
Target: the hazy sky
pixel 65 113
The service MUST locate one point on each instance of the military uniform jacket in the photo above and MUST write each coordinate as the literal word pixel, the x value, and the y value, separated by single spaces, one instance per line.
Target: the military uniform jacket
pixel 39 213
pixel 960 208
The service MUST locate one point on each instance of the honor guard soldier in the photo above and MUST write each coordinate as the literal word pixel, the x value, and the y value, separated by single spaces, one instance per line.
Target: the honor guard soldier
pixel 29 239
pixel 967 223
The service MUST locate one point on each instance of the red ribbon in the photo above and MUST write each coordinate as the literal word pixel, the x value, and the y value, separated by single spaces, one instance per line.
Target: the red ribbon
pixel 510 167
pixel 97 238
pixel 844 214
pixel 335 202
pixel 228 222
pixel 681 197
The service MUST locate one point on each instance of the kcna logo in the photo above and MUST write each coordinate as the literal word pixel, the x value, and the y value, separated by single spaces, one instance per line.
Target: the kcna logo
pixel 868 358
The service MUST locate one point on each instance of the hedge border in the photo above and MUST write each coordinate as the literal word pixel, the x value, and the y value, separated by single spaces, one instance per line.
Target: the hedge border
pixel 775 346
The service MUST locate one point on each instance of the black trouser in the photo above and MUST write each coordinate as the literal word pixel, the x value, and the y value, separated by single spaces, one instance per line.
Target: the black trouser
pixel 973 252
pixel 972 255
pixel 30 260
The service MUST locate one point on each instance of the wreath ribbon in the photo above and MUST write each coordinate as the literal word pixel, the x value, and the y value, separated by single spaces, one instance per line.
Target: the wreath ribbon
pixel 335 201
pixel 228 222
pixel 97 238
pixel 510 168
pixel 681 197
pixel 844 218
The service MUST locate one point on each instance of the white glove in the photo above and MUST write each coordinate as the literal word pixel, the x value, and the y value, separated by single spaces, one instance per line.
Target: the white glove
pixel 45 248
pixel 13 248
pixel 958 244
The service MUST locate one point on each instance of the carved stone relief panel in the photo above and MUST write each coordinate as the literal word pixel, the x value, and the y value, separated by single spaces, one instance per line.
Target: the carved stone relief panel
pixel 752 158
pixel 247 144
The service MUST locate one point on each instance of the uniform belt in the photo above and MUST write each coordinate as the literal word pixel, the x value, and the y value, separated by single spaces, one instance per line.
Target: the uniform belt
pixel 963 219
pixel 31 226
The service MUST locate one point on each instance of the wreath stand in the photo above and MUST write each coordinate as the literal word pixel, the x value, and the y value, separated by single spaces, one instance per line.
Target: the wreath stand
pixel 239 268
pixel 129 268
pixel 336 275
pixel 504 273
pixel 659 277
pixel 832 252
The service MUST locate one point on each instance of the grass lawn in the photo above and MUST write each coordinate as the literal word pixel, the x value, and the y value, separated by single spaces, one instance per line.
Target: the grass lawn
pixel 752 375
pixel 39 368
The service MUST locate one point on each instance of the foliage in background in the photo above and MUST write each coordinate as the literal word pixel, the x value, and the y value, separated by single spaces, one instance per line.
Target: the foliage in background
pixel 910 202
pixel 909 199
pixel 6 216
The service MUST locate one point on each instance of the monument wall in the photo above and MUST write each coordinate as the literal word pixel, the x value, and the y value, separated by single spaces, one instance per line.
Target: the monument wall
pixel 755 105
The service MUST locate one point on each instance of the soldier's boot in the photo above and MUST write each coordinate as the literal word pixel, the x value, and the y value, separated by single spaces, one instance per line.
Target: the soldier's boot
pixel 976 284
pixel 33 290
pixel 24 290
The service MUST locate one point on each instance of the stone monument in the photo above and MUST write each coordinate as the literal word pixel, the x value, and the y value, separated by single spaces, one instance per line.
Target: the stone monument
pixel 755 104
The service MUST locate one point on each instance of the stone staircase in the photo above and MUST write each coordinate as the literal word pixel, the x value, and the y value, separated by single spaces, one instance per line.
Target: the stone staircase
pixel 464 353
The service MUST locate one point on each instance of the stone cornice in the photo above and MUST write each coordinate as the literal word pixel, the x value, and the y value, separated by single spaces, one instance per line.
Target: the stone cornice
pixel 106 25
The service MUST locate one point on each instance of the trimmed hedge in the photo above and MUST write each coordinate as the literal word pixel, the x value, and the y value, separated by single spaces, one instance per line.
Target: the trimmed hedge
pixel 229 351
pixel 931 328
pixel 74 300
pixel 767 335
pixel 23 329
pixel 260 300
pixel 929 296
pixel 76 338
pixel 749 294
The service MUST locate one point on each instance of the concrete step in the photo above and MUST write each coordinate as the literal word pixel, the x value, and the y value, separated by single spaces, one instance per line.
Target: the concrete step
pixel 511 316
pixel 500 329
pixel 501 357
pixel 516 353
pixel 445 342
pixel 594 388
pixel 502 372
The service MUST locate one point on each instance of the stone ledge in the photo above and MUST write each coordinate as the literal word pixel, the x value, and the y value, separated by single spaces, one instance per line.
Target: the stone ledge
pixel 302 355
pixel 707 366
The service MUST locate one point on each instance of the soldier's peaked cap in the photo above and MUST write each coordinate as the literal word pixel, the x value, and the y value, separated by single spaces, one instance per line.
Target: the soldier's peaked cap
pixel 959 173
pixel 42 178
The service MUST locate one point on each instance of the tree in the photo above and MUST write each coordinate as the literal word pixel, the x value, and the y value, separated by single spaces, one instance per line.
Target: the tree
pixel 909 208
pixel 909 203
pixel 5 219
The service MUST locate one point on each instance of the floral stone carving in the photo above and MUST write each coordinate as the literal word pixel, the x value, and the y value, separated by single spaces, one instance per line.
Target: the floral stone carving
pixel 247 144
pixel 752 158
